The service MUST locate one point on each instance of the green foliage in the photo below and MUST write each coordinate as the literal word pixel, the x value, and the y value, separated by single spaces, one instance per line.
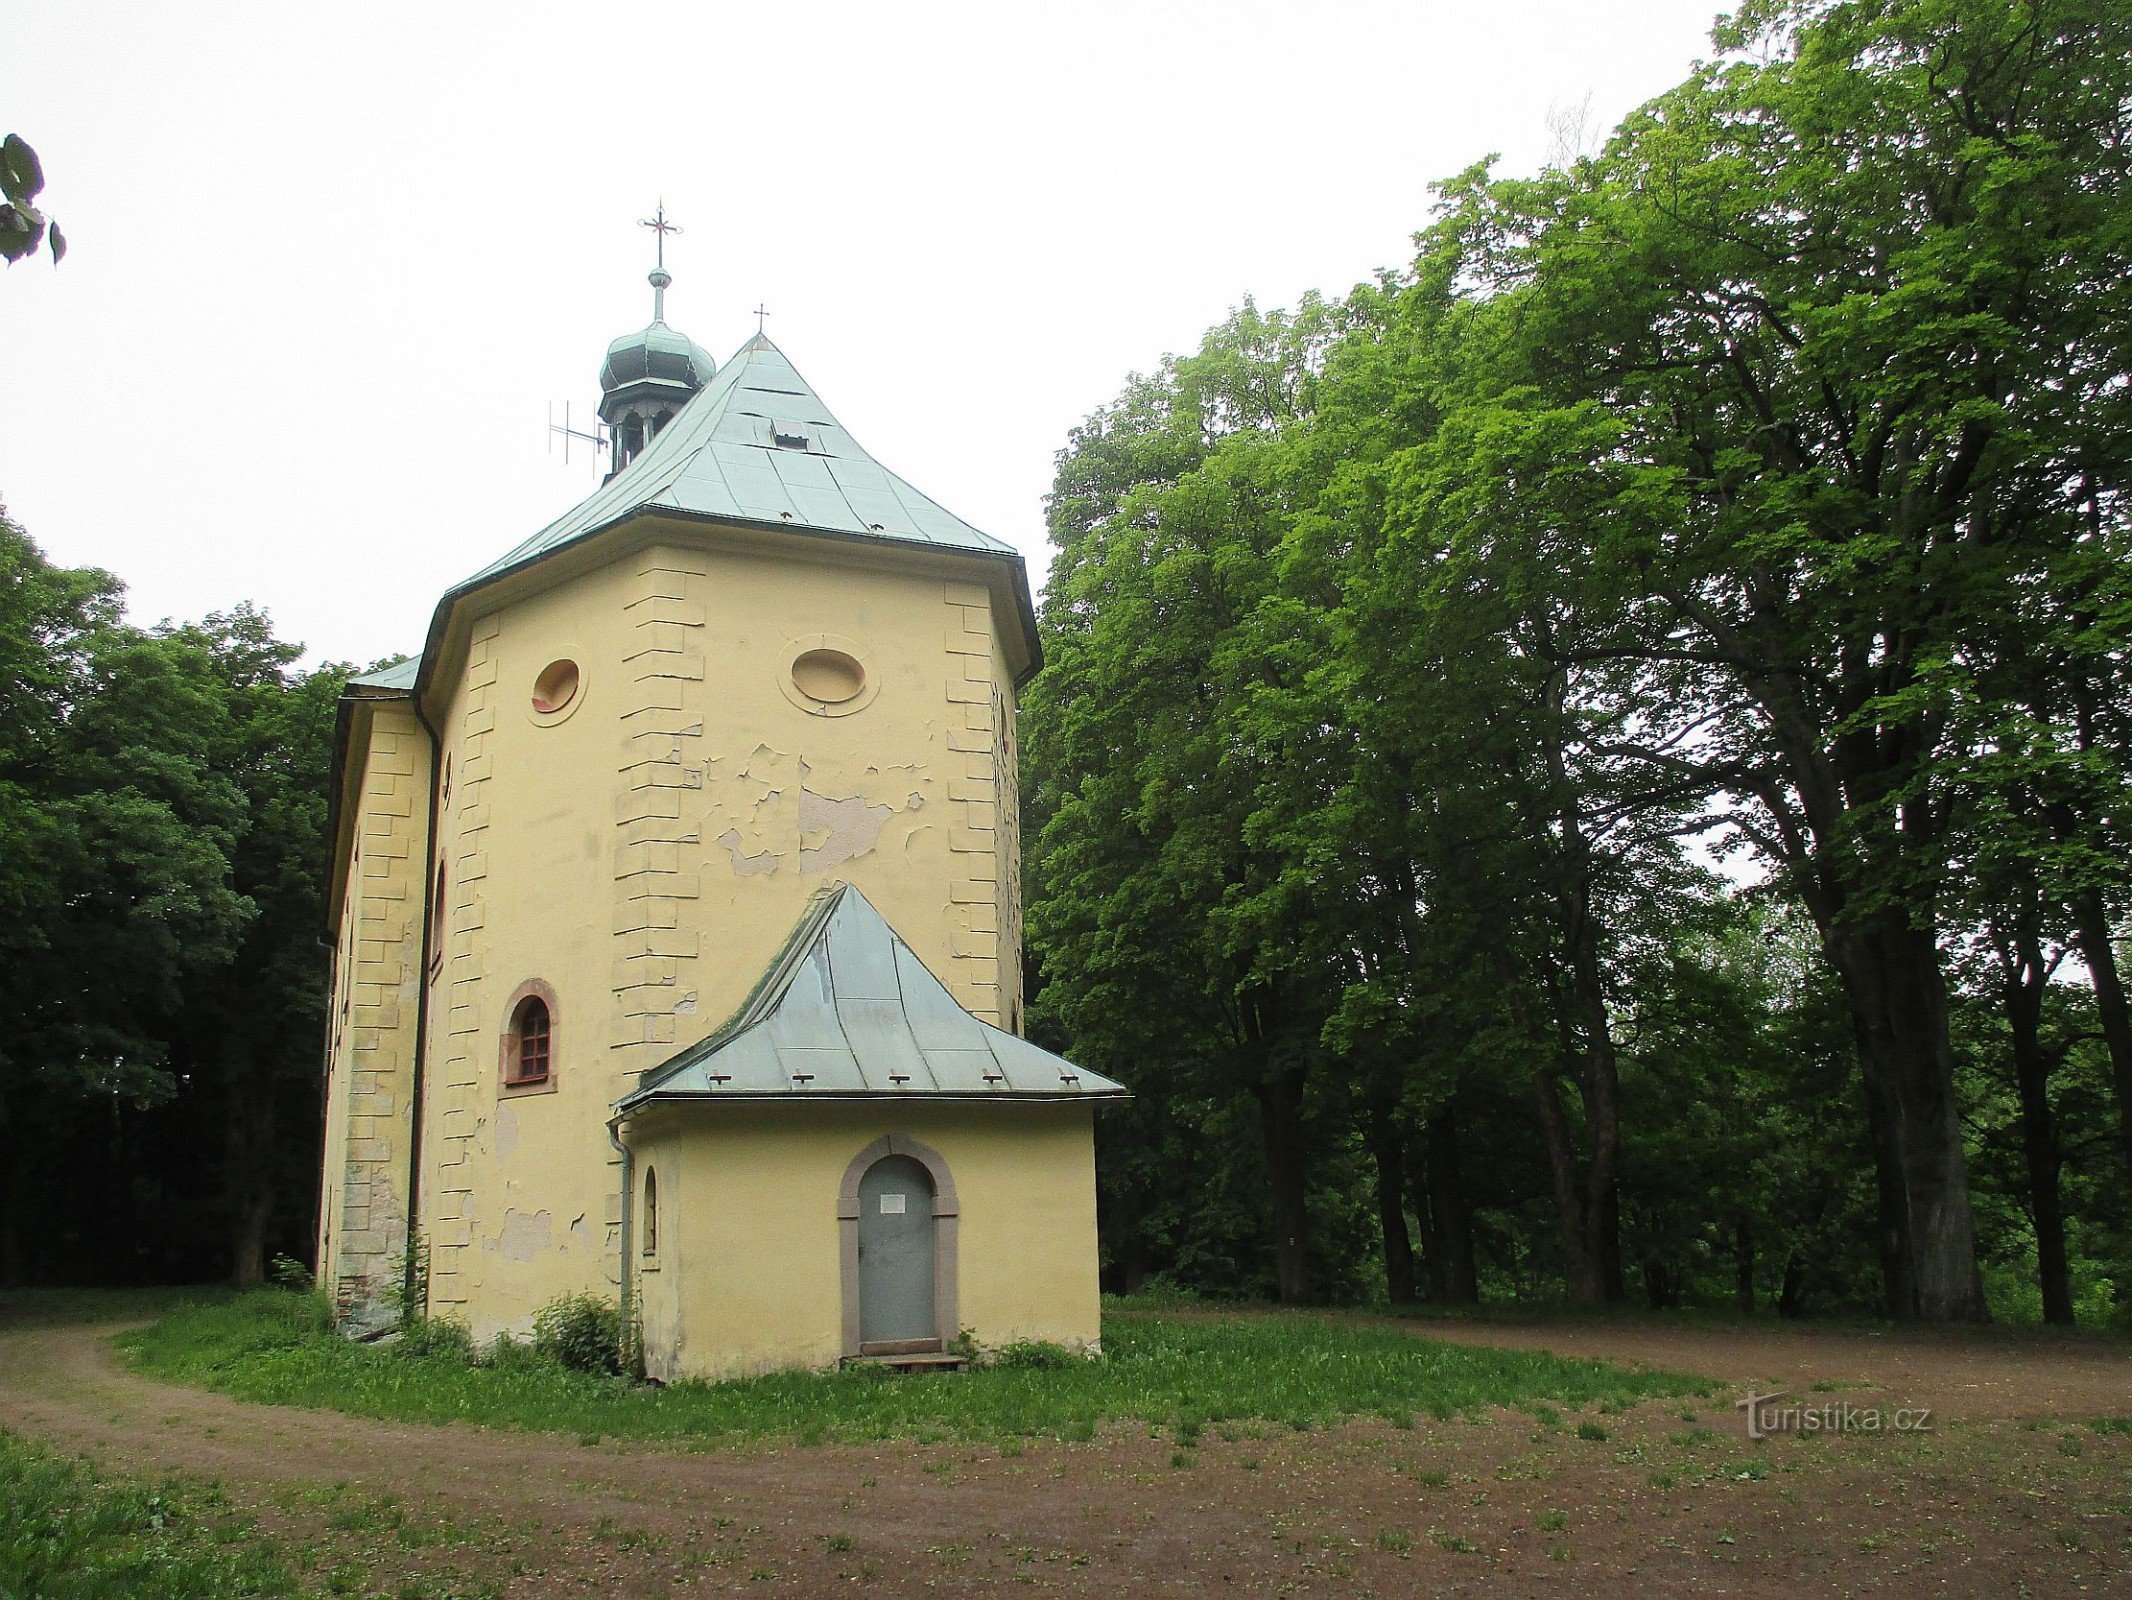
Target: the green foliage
pixel 507 1354
pixel 70 1533
pixel 1183 1372
pixel 36 1308
pixel 408 1293
pixel 22 225
pixel 581 1332
pixel 1033 1355
pixel 162 804
pixel 1757 481
pixel 425 1338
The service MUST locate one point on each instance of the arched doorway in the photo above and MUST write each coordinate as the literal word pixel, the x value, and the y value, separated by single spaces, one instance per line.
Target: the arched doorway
pixel 896 1258
pixel 898 1216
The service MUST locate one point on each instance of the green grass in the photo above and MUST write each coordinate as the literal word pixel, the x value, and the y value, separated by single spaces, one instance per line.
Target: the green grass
pixel 69 1533
pixel 41 1308
pixel 1182 1372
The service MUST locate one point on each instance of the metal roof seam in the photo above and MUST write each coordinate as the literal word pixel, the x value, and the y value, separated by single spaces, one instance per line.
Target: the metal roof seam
pixel 878 1052
pixel 829 960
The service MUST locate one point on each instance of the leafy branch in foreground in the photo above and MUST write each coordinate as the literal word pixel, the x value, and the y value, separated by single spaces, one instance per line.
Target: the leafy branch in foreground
pixel 22 226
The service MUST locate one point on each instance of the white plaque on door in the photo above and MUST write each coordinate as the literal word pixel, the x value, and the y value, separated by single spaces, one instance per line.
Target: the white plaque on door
pixel 891 1205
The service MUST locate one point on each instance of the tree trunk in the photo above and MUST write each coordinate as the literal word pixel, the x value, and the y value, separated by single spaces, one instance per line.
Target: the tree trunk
pixel 1743 1265
pixel 1452 1277
pixel 2025 980
pixel 1791 1297
pixel 2100 953
pixel 1898 1001
pixel 249 1269
pixel 1280 1097
pixel 1607 1241
pixel 1388 1152
pixel 1890 1218
pixel 14 1201
pixel 1581 1263
pixel 1657 1284
pixel 1590 1206
pixel 251 1170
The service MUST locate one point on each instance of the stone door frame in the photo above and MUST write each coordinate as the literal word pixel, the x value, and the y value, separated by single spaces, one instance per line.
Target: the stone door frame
pixel 947 1213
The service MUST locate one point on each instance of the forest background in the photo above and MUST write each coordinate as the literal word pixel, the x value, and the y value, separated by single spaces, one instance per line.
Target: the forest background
pixel 1593 766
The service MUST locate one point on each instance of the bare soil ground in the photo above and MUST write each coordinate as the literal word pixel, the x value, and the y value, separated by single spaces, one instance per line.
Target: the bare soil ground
pixel 2010 1493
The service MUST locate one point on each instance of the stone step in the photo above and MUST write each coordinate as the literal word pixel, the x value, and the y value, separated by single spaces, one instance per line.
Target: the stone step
pixel 922 1361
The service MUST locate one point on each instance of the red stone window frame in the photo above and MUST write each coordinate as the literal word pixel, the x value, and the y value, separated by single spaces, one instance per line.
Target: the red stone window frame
pixel 521 1044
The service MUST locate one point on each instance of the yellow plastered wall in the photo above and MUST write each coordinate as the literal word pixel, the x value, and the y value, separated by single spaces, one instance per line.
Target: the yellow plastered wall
pixel 748 1276
pixel 373 1016
pixel 646 852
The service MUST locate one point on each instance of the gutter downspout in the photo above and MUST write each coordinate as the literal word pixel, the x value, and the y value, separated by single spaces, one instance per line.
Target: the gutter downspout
pixel 629 1194
pixel 322 1274
pixel 415 1096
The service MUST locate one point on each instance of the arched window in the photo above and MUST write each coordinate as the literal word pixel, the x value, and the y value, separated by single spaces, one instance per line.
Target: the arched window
pixel 651 1211
pixel 533 1027
pixel 529 1043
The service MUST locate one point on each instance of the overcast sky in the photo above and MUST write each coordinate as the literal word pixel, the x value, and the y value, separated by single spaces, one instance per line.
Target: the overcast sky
pixel 330 266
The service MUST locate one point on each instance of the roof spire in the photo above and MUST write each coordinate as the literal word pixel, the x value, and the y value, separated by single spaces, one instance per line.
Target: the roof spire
pixel 649 376
pixel 659 276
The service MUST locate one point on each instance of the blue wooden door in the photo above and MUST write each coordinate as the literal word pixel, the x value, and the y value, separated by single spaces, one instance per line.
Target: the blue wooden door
pixel 896 1255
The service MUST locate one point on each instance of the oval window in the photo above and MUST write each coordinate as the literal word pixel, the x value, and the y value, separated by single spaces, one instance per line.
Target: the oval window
pixel 829 676
pixel 555 688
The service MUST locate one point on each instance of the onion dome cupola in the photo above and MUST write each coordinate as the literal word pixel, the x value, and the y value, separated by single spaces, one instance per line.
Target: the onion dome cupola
pixel 650 374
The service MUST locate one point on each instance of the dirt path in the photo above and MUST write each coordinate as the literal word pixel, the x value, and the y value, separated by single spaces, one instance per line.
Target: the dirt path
pixel 2011 1493
pixel 1965 1374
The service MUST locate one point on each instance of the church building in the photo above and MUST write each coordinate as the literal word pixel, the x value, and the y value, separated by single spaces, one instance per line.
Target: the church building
pixel 676 905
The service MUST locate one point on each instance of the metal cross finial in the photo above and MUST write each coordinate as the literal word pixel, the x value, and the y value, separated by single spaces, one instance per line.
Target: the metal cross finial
pixel 761 311
pixel 659 225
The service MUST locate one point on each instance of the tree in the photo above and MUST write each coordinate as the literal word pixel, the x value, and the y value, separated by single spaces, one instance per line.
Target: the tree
pixel 251 1032
pixel 1150 887
pixel 1836 324
pixel 22 226
pixel 162 798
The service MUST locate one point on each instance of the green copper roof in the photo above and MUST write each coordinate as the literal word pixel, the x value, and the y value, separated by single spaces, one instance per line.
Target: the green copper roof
pixel 757 445
pixel 656 353
pixel 846 1010
pixel 400 676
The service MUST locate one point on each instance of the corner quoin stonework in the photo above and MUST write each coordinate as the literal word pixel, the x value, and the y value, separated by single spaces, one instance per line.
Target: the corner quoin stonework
pixel 464 1077
pixel 376 998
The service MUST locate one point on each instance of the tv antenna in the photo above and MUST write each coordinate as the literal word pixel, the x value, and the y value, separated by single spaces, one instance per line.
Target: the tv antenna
pixel 597 438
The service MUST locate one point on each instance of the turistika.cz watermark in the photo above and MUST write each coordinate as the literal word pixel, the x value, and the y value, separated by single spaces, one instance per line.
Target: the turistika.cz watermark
pixel 1771 1414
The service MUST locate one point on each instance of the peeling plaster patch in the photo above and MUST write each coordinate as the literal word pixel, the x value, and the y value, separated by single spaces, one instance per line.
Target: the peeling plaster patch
pixel 525 1235
pixel 506 1130
pixel 915 802
pixel 849 828
pixel 579 1233
pixel 744 864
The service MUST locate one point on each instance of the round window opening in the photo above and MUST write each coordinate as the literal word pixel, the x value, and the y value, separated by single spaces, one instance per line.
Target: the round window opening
pixel 555 688
pixel 829 676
